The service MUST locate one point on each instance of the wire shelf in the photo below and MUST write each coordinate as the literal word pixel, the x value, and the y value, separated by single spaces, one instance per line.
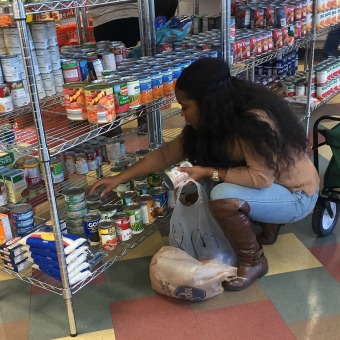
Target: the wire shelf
pixel 61 133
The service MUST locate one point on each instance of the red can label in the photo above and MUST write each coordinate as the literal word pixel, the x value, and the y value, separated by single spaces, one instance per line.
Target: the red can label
pixel 237 47
pixel 245 48
pixel 289 9
pixel 270 16
pixel 253 45
pixel 122 223
pixel 277 37
pixel 257 18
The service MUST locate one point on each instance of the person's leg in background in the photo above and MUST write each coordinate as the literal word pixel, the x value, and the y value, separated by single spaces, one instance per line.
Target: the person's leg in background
pixel 332 43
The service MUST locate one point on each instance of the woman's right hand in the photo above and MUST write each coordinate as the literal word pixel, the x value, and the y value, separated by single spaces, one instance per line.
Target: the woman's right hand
pixel 109 183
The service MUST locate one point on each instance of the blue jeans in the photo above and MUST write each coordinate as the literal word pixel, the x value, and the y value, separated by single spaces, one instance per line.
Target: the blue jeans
pixel 275 204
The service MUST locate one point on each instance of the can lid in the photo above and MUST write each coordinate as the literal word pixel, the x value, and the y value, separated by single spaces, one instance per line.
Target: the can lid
pixel 93 205
pixel 157 190
pixel 93 197
pixel 21 208
pixel 108 207
pixel 106 224
pixel 127 194
pixel 131 206
pixel 91 217
pixel 143 198
pixel 73 191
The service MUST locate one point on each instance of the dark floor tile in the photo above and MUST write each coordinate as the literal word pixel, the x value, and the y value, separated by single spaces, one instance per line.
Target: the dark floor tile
pixel 329 256
pixel 15 297
pixel 91 309
pixel 15 330
pixel 304 294
pixel 129 279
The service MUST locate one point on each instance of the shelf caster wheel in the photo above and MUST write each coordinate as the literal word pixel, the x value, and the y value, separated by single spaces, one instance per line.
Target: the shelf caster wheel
pixel 73 335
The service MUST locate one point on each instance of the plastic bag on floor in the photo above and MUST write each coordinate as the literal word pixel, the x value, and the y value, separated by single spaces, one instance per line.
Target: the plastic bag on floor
pixel 175 273
pixel 194 229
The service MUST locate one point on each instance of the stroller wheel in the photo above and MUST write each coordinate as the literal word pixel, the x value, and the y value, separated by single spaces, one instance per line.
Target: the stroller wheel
pixel 325 217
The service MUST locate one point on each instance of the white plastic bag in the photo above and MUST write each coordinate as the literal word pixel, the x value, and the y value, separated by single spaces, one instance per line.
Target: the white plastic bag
pixel 194 230
pixel 175 273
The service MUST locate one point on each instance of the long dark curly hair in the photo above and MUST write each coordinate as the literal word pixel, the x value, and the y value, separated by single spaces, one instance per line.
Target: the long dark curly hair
pixel 225 114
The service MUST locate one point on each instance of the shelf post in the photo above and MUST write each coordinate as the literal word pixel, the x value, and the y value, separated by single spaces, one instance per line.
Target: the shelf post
pixel 85 24
pixel 78 22
pixel 196 7
pixel 225 31
pixel 20 19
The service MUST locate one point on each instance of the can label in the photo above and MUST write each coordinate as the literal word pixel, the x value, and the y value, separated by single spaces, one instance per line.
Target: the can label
pixel 121 97
pixel 108 237
pixel 109 61
pixel 122 223
pixel 100 105
pixel 90 224
pixel 134 93
pixel 146 95
pixel 135 217
pixel 154 179
pixel 157 85
pixel 167 80
pixel 57 171
pixel 11 68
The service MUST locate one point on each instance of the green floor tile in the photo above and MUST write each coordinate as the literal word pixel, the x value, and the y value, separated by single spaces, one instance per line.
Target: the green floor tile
pixel 304 294
pixel 15 297
pixel 129 279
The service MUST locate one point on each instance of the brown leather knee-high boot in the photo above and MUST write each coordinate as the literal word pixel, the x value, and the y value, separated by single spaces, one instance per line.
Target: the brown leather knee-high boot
pixel 269 232
pixel 232 216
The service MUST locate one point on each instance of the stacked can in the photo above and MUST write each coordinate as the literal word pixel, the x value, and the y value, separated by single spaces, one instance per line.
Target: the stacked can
pixel 76 209
pixel 23 220
pixel 328 13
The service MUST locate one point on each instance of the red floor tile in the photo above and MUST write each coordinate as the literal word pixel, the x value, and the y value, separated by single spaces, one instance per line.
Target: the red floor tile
pixel 164 318
pixel 154 318
pixel 16 330
pixel 329 256
pixel 99 279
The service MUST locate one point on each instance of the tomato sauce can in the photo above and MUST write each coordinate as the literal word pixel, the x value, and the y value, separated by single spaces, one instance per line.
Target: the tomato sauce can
pixel 100 103
pixel 160 205
pixel 107 234
pixel 123 228
pixel 147 206
pixel 90 225
pixel 133 210
pixel 74 100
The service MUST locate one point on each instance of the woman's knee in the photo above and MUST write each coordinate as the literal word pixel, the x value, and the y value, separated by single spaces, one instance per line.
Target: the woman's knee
pixel 226 190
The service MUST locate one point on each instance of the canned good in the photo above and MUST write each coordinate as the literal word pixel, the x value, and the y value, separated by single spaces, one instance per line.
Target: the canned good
pixel 173 178
pixel 32 170
pixel 116 170
pixel 3 194
pixel 91 159
pixel 135 216
pixel 142 189
pixel 29 223
pixel 146 95
pixel 74 195
pixel 71 71
pixel 19 94
pixel 70 161
pixel 281 19
pixel 107 211
pixel 160 205
pixel 76 214
pixel 109 61
pixel 107 234
pixel 93 198
pixel 154 179
pixel 93 208
pixel 128 196
pixel 123 228
pixel 119 50
pixel 21 212
pixel 141 153
pixel 99 103
pixel 122 187
pixel 76 206
pixel 140 180
pixel 81 163
pixel 39 34
pixel 44 60
pixel 133 91
pixel 147 206
pixel 157 83
pixel 56 170
pixel 121 96
pixel 90 225
pixel 74 99
pixel 6 102
pixel 10 67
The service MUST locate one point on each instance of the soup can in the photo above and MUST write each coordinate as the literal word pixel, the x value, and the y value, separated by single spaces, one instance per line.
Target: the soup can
pixel 99 103
pixel 135 216
pixel 146 203
pixel 31 167
pixel 57 170
pixel 93 198
pixel 123 228
pixel 142 189
pixel 6 102
pixel 93 208
pixel 122 187
pixel 90 225
pixel 19 95
pixel 71 70
pixel 81 163
pixel 160 205
pixel 107 234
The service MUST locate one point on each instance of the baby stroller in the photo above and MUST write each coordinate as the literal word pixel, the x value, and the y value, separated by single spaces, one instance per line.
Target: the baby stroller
pixel 327 208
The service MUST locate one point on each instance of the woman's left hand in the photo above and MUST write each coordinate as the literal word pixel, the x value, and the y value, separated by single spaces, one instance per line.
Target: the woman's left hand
pixel 196 172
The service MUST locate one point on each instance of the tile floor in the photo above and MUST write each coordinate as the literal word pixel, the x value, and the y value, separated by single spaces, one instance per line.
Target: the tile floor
pixel 298 299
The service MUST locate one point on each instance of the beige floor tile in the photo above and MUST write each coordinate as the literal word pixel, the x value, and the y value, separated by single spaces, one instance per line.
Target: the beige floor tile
pixel 147 248
pixel 107 334
pixel 289 254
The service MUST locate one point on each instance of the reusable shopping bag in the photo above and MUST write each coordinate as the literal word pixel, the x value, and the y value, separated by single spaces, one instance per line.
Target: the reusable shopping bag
pixel 194 229
pixel 176 274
